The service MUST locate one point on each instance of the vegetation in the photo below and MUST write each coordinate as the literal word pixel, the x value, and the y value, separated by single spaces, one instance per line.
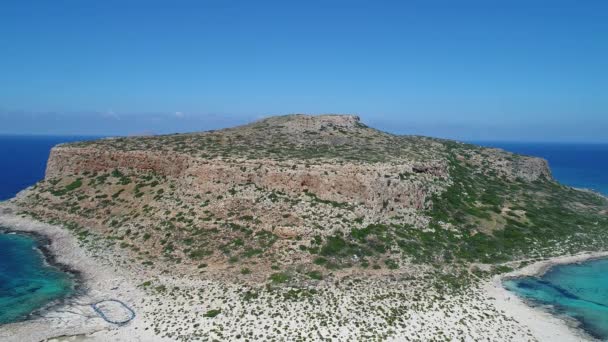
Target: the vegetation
pixel 435 211
pixel 279 278
pixel 478 203
pixel 212 313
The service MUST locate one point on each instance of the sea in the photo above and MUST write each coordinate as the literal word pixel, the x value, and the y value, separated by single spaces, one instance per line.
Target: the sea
pixel 580 291
pixel 28 282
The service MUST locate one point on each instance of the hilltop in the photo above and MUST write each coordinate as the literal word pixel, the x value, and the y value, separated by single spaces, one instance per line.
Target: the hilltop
pixel 305 202
pixel 295 189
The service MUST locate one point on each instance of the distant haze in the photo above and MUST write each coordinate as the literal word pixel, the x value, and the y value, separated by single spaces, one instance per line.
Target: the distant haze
pixel 469 70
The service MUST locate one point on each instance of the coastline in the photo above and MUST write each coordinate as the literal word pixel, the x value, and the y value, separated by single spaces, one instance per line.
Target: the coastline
pixel 43 244
pixel 73 319
pixel 544 324
pixel 94 281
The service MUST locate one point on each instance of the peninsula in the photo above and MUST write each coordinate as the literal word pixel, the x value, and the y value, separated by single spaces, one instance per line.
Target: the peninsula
pixel 301 228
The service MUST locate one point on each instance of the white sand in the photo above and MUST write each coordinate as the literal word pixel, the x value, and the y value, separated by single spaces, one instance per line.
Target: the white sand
pixel 543 325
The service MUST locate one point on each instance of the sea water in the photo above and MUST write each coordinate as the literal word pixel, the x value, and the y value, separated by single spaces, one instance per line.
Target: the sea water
pixel 23 160
pixel 27 282
pixel 579 291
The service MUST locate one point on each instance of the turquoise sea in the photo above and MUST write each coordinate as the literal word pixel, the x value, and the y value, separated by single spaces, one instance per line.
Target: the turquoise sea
pixel 579 291
pixel 27 282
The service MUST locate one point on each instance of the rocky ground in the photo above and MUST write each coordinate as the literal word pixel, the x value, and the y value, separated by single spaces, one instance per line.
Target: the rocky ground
pixel 408 305
pixel 342 307
pixel 301 228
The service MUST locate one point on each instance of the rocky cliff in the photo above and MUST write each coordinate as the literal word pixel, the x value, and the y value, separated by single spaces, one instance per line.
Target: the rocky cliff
pixel 367 184
pixel 390 184
pixel 296 189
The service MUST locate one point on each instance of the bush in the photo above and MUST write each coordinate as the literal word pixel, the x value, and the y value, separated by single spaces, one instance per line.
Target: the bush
pixel 333 246
pixel 391 264
pixel 279 278
pixel 315 275
pixel 212 313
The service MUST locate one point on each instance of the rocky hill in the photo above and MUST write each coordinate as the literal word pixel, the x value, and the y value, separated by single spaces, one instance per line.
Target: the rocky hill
pixel 301 228
pixel 298 195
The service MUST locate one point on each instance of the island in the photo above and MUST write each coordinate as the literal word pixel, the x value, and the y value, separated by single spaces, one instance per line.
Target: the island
pixel 298 228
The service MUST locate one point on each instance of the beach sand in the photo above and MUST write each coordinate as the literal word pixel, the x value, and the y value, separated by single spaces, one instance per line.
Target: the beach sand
pixel 74 315
pixel 544 325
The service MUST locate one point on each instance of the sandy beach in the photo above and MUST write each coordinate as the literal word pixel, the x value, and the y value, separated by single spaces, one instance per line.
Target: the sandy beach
pixel 544 325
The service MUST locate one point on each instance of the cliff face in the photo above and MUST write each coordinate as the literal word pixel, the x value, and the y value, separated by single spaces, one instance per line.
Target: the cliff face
pixel 508 165
pixel 375 186
pixel 65 160
pixel 344 175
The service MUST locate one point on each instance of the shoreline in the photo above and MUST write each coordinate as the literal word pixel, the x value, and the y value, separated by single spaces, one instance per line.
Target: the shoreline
pixel 592 191
pixel 94 280
pixel 43 244
pixel 103 279
pixel 543 322
pixel 539 268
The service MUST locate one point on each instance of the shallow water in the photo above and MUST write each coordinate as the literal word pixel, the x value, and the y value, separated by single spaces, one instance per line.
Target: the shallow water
pixel 27 283
pixel 579 291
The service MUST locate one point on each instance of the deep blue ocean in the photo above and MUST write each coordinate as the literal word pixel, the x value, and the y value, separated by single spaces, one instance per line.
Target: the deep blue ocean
pixel 28 283
pixel 23 160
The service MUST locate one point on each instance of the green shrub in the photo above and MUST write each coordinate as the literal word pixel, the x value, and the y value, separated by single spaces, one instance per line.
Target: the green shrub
pixel 279 278
pixel 315 275
pixel 212 313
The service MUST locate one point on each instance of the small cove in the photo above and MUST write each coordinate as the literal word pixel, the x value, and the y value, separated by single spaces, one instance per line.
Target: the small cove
pixel 27 282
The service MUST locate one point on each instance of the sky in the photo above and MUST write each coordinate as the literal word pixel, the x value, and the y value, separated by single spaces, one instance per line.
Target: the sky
pixel 508 70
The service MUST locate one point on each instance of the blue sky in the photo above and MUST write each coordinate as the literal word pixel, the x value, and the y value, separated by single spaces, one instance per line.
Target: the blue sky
pixel 498 70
